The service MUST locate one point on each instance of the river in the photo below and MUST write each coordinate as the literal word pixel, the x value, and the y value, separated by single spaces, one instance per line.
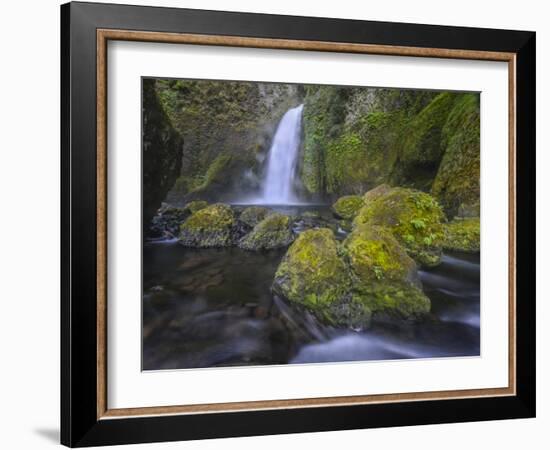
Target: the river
pixel 214 308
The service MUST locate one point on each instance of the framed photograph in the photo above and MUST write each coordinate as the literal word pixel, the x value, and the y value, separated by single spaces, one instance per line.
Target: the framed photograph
pixel 276 224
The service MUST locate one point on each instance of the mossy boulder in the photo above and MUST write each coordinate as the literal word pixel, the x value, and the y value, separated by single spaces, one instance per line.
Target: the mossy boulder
pixel 378 191
pixel 194 206
pixel 348 206
pixel 253 215
pixel 368 276
pixel 413 217
pixel 313 274
pixel 384 277
pixel 212 226
pixel 272 232
pixel 462 235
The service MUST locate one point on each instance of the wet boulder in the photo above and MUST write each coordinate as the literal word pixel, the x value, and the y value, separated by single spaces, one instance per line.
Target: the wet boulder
pixel 462 235
pixel 213 226
pixel 348 206
pixel 413 217
pixel 367 277
pixel 253 215
pixel 194 206
pixel 272 232
pixel 313 275
pixel 384 278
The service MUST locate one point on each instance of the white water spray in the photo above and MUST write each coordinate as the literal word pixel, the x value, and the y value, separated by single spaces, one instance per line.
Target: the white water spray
pixel 283 156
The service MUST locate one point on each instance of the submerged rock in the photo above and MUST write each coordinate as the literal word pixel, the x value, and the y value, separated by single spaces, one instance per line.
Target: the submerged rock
pixel 212 226
pixel 253 215
pixel 313 274
pixel 348 206
pixel 384 277
pixel 462 235
pixel 272 232
pixel 413 217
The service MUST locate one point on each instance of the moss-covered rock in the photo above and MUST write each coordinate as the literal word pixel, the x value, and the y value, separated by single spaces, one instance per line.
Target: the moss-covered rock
pixel 272 232
pixel 313 274
pixel 384 277
pixel 348 206
pixel 462 235
pixel 413 217
pixel 195 206
pixel 457 179
pixel 368 276
pixel 376 192
pixel 212 226
pixel 253 215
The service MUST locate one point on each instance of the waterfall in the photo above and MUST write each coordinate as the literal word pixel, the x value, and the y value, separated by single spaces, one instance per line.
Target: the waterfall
pixel 278 188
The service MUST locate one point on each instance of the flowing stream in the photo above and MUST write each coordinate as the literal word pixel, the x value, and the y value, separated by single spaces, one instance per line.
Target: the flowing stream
pixel 214 307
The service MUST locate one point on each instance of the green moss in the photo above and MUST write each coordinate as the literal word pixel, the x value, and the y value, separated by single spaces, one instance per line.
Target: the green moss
pixel 195 206
pixel 374 254
pixel 214 174
pixel 413 217
pixel 323 116
pixel 253 215
pixel 348 206
pixel 420 145
pixel 375 193
pixel 384 276
pixel 272 232
pixel 398 301
pixel 345 285
pixel 457 180
pixel 209 227
pixel 312 273
pixel 462 235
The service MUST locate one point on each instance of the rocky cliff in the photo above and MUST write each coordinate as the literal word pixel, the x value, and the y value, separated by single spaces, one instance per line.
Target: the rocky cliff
pixel 227 129
pixel 162 152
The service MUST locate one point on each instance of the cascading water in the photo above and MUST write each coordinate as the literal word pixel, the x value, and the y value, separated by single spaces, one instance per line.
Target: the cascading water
pixel 278 188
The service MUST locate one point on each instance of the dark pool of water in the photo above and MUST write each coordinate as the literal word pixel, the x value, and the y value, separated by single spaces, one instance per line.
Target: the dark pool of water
pixel 213 307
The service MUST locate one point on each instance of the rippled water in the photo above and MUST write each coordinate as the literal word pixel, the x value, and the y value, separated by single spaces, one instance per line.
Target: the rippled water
pixel 213 307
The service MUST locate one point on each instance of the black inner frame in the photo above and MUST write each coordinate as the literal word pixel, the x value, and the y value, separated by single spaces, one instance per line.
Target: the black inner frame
pixel 79 423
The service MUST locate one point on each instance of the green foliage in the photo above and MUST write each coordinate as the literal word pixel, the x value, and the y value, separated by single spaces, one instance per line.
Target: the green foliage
pixel 418 224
